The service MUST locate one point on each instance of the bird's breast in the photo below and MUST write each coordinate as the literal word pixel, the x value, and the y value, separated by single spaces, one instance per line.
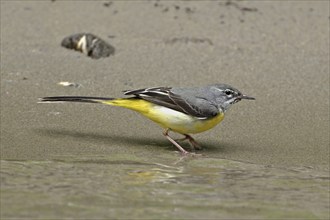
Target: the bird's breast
pixel 180 122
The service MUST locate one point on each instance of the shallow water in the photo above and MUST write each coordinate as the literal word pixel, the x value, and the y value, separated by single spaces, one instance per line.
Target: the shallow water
pixel 135 186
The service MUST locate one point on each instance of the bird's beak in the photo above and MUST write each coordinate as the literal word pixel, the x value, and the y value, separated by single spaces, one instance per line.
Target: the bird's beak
pixel 247 97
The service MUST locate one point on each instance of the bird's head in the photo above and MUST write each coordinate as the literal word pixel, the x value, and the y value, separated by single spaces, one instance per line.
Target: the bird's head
pixel 227 95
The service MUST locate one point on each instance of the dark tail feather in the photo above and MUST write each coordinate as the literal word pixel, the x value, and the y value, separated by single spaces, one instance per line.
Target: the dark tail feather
pixel 74 99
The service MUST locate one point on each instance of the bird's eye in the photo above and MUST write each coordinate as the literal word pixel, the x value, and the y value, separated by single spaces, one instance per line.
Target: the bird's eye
pixel 229 92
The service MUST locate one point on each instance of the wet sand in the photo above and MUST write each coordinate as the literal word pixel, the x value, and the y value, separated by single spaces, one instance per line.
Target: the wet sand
pixel 277 52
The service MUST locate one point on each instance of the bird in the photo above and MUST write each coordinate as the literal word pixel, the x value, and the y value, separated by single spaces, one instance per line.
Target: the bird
pixel 184 110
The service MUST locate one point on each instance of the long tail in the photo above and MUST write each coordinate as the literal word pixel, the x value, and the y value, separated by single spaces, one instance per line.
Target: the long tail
pixel 76 99
pixel 133 103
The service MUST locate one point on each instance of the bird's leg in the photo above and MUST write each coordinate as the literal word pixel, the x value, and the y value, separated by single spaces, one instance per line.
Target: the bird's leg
pixel 182 139
pixel 192 142
pixel 183 151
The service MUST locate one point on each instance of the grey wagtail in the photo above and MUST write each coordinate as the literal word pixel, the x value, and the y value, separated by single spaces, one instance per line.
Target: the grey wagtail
pixel 182 110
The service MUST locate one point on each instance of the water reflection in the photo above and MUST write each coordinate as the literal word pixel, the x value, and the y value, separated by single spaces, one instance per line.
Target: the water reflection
pixel 133 186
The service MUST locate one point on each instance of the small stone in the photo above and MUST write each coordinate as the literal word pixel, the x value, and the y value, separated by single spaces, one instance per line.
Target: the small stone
pixel 88 44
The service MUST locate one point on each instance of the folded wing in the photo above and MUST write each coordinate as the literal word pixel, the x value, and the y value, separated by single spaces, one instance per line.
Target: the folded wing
pixel 192 105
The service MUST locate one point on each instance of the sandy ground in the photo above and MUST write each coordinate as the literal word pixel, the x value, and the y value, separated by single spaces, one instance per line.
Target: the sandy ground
pixel 269 158
pixel 275 51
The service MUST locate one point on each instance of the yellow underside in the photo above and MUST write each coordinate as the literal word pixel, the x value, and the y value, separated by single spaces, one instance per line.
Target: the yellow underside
pixel 167 118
